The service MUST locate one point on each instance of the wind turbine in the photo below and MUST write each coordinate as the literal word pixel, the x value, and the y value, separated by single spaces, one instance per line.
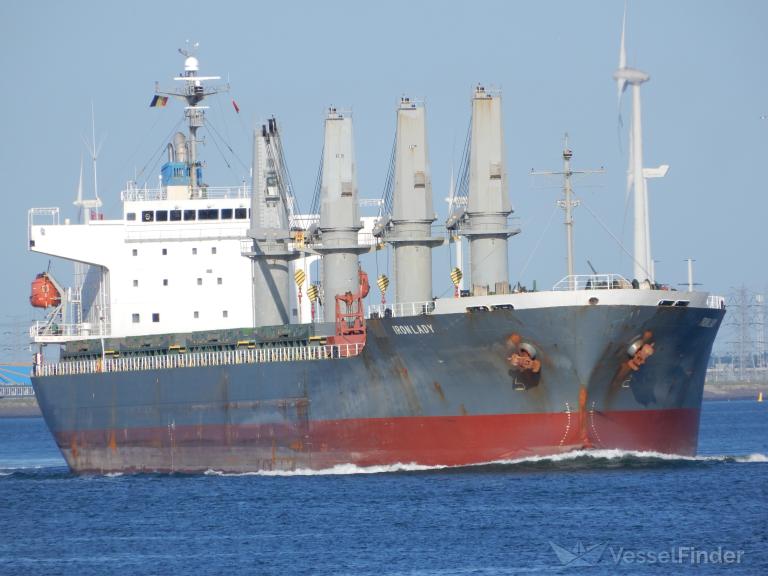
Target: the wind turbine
pixel 636 174
pixel 86 207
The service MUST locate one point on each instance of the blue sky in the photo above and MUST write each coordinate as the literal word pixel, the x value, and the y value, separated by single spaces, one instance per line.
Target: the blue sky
pixel 553 61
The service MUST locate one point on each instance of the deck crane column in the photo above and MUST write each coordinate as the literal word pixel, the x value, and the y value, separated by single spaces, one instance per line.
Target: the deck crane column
pixel 408 227
pixel 270 208
pixel 484 222
pixel 339 218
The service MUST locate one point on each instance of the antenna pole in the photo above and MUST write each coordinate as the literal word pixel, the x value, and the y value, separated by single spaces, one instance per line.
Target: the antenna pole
pixel 690 274
pixel 568 203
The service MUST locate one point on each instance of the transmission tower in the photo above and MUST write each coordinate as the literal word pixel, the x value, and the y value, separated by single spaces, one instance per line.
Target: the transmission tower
pixel 742 309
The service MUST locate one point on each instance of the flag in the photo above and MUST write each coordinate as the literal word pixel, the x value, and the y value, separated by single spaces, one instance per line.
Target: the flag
pixel 237 108
pixel 158 101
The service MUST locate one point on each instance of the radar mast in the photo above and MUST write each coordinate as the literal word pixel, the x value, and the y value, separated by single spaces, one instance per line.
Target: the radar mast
pixel 193 92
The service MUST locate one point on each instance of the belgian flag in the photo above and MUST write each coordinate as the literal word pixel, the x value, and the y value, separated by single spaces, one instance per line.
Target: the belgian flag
pixel 158 101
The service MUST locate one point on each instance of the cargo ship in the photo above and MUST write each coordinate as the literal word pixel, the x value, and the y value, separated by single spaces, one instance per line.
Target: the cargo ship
pixel 222 329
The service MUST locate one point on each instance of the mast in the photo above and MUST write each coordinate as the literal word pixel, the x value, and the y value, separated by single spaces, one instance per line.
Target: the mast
pixel 193 92
pixel 568 203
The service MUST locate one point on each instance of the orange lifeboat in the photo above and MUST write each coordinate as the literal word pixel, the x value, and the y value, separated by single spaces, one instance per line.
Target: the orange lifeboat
pixel 44 292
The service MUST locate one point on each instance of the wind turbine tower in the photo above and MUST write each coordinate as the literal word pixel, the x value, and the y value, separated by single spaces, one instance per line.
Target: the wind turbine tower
pixel 643 265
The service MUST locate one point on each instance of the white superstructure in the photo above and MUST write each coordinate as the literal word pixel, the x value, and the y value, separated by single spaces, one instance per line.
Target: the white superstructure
pixel 165 266
pixel 177 259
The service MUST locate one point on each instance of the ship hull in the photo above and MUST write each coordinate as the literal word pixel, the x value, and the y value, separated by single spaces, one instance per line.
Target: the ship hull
pixel 432 390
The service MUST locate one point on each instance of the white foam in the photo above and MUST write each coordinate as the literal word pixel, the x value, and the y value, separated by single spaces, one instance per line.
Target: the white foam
pixel 756 457
pixel 596 454
pixel 617 454
pixel 337 470
pixel 14 465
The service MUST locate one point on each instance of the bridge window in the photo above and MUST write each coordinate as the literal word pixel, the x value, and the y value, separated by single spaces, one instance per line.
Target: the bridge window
pixel 155 317
pixel 189 214
pixel 161 215
pixel 241 213
pixel 135 318
pixel 175 215
pixel 131 216
pixel 226 213
pixel 147 216
pixel 210 214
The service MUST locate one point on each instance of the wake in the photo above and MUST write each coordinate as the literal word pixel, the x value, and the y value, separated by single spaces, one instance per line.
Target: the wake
pixel 577 459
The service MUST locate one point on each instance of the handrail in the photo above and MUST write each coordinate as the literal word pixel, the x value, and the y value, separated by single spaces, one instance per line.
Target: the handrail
pixel 593 282
pixel 135 194
pixel 198 359
pixel 47 329
pixel 716 302
pixel 402 309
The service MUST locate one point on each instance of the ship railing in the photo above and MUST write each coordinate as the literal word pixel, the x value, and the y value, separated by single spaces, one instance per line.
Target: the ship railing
pixel 593 282
pixel 135 194
pixel 715 301
pixel 198 359
pixel 401 309
pixel 46 331
pixel 41 217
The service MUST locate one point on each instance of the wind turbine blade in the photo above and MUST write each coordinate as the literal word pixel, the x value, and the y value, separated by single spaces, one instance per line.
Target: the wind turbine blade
pixel 80 183
pixel 621 83
pixel 623 49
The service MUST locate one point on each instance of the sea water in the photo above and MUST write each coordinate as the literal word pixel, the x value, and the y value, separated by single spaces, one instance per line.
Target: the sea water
pixel 600 512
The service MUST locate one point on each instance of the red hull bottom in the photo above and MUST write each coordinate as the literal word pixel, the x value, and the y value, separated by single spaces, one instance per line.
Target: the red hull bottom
pixel 431 441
